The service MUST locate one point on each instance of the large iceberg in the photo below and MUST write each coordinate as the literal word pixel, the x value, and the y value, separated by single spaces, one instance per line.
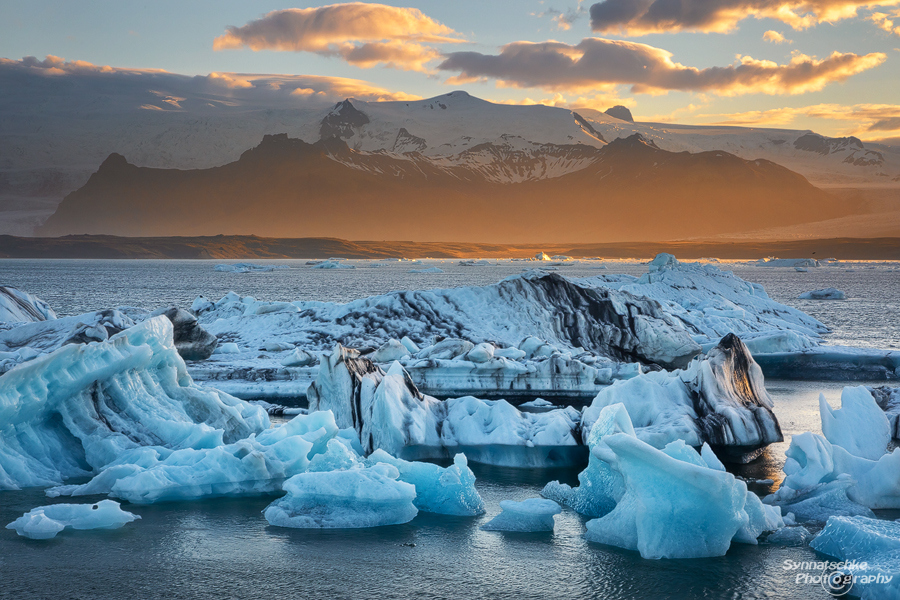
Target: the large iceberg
pixel 720 400
pixel 44 522
pixel 77 409
pixel 674 502
pixel 869 550
pixel 582 322
pixel 712 303
pixel 367 497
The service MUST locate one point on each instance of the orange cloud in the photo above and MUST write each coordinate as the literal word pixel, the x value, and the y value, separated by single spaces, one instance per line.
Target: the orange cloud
pixel 775 37
pixel 887 22
pixel 638 17
pixel 363 34
pixel 596 62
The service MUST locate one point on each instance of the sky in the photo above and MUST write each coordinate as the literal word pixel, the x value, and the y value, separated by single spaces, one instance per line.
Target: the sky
pixel 832 66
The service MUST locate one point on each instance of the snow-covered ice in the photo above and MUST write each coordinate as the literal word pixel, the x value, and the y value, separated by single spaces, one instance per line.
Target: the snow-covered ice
pixel 531 515
pixel 44 522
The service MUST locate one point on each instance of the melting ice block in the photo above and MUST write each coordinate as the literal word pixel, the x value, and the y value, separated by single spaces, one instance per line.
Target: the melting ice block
pixel 44 522
pixel 534 514
pixel 355 498
pixel 823 294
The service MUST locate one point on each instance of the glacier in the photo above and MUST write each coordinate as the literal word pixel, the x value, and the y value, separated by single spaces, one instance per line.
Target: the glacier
pixel 44 522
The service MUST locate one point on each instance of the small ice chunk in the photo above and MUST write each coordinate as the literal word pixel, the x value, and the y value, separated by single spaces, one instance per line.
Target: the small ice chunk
pixel 510 353
pixel 356 498
pixel 446 349
pixel 534 514
pixel 299 358
pixel 227 348
pixel 390 351
pixel 44 522
pixel 278 346
pixel 481 353
pixel 410 345
pixel 789 536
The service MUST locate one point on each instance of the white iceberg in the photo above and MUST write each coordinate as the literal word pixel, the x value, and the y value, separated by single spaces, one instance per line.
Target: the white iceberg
pixel 787 262
pixel 44 522
pixel 823 294
pixel 860 426
pixel 427 270
pixel 332 264
pixel 355 498
pixel 531 515
pixel 248 268
pixel 17 306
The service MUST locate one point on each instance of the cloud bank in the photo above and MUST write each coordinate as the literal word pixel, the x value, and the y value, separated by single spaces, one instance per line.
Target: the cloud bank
pixel 868 120
pixel 639 17
pixel 80 85
pixel 596 62
pixel 362 34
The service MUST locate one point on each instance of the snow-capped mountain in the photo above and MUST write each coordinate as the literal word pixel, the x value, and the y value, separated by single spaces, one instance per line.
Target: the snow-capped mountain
pixel 46 155
pixel 628 189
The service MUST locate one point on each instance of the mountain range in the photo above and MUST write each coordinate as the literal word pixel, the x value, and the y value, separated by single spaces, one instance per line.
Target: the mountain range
pixel 412 170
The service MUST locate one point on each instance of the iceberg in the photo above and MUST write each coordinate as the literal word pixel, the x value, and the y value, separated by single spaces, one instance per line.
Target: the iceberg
pixel 847 472
pixel 860 426
pixel 870 551
pixel 675 505
pixel 531 515
pixel 75 410
pixel 427 270
pixel 823 294
pixel 720 400
pixel 17 306
pixel 583 323
pixel 248 268
pixel 252 466
pixel 331 264
pixel 389 412
pixel 446 491
pixel 44 522
pixel 787 262
pixel 355 498
pixel 888 400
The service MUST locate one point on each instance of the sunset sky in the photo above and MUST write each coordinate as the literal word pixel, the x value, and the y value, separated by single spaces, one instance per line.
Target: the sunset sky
pixel 828 65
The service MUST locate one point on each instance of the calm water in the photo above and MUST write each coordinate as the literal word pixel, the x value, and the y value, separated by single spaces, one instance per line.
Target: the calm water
pixel 225 549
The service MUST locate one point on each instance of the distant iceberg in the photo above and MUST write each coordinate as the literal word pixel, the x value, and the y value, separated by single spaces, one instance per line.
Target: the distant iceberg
pixel 823 294
pixel 248 268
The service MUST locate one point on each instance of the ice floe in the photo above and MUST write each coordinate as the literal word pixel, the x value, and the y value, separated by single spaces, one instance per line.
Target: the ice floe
pixel 248 268
pixel 44 522
pixel 531 515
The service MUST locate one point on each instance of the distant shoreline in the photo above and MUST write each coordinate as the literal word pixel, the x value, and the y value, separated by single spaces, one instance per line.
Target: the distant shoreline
pixel 241 247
